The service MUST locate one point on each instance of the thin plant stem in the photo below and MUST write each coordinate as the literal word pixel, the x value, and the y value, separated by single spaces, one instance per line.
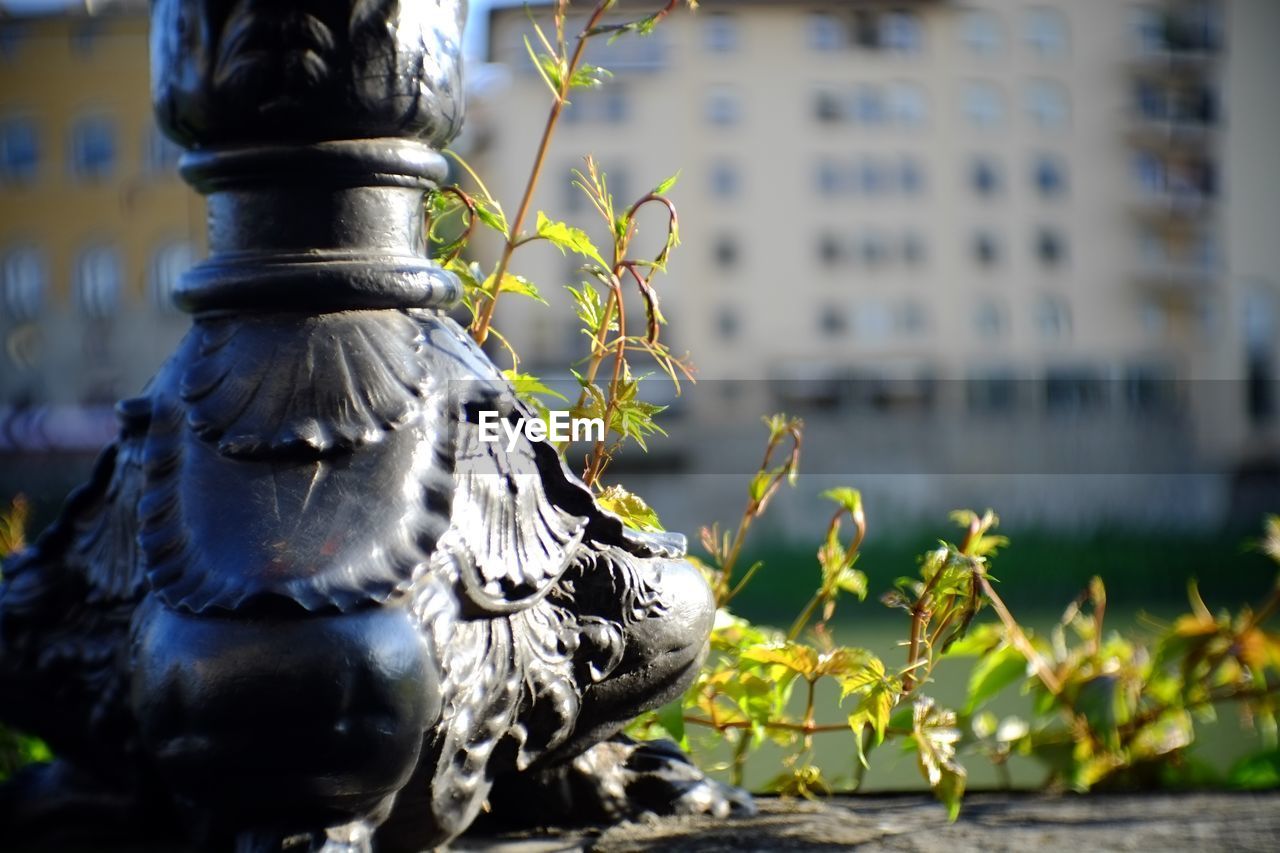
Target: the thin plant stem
pixel 480 331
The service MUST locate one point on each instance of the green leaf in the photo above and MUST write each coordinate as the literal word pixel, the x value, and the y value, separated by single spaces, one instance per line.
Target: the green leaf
pixel 993 672
pixel 1171 731
pixel 567 238
pixel 633 511
pixel 492 216
pixel 935 735
pixel 853 582
pixel 1260 771
pixel 1105 706
pixel 588 307
pixel 665 187
pixel 671 717
pixel 874 708
pixel 530 389
pixel 850 499
pixel 760 484
pixel 589 77
pixel 806 782
pixel 468 273
pixel 796 657
pixel 633 418
pixel 548 68
pixel 850 663
pixel 980 640
pixel 515 284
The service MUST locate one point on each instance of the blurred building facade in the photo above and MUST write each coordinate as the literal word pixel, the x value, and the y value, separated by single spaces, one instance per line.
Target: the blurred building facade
pixel 1017 252
pixel 962 238
pixel 95 225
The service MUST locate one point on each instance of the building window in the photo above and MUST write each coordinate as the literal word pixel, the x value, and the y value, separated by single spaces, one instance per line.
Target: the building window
pixel 1149 170
pixel 1149 29
pixel 1047 32
pixel 25 278
pixel 161 154
pixel 727 324
pixel 988 319
pixel 872 321
pixel 1053 318
pixel 986 249
pixel 829 177
pixel 1196 105
pixel 827 107
pixel 907 105
pixel 725 181
pixel 830 250
pixel 1204 251
pixel 1154 318
pixel 985 177
pixel 982 33
pixel 873 179
pixel 1151 388
pixel 1049 176
pixel 724 107
pixel 93 147
pixel 720 32
pixel 646 54
pixel 1074 390
pixel 84 36
pixel 1051 248
pixel 873 250
pixel 619 186
pixel 168 263
pixel 913 250
pixel 831 321
pixel 614 105
pixel 1201 26
pixel 983 104
pixel 726 251
pixel 1149 100
pixel 826 32
pixel 911 176
pixel 868 105
pixel 97 282
pixel 866 29
pixel 1048 105
pixel 19 150
pixel 992 391
pixel 912 318
pixel 610 104
pixel 901 32
pixel 12 35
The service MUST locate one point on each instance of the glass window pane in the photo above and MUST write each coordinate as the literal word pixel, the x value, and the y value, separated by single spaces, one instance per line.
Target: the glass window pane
pixel 19 149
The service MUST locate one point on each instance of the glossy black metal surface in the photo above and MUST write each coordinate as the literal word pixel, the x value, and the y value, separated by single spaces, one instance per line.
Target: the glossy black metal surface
pixel 300 603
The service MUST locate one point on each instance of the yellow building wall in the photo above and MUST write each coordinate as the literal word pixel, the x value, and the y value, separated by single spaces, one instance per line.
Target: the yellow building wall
pixel 55 70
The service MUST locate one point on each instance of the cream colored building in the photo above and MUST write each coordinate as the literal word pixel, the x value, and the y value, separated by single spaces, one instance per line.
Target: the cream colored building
pixel 1041 234
pixel 1043 228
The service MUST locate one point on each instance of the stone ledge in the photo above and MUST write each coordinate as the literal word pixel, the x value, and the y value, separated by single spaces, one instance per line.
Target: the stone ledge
pixel 916 824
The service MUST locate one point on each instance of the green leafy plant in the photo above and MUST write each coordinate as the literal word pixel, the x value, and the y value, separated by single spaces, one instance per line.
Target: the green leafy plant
pixel 1107 709
pixel 608 378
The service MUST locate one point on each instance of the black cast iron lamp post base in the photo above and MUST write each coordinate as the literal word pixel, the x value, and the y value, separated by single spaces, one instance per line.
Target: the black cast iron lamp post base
pixel 300 603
